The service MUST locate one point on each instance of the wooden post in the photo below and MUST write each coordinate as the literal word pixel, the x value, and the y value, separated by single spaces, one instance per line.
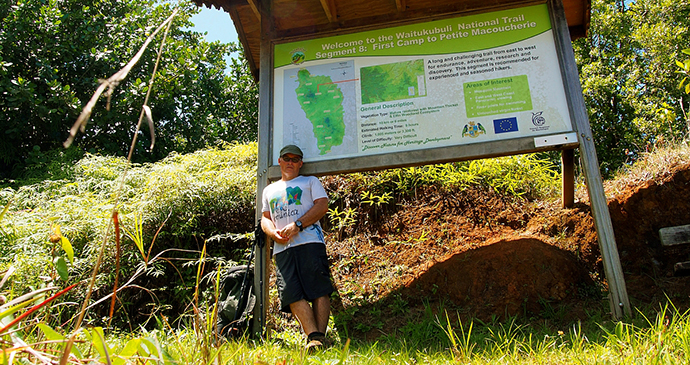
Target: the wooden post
pixel 568 178
pixel 263 258
pixel 618 294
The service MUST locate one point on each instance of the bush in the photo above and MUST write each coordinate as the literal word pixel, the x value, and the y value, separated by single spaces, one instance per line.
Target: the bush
pixel 182 202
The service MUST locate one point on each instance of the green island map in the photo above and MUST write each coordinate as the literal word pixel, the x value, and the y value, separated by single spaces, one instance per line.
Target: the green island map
pixel 322 101
pixel 393 81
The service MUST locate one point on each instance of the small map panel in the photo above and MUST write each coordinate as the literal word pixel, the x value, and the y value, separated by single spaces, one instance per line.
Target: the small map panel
pixel 322 101
pixel 393 81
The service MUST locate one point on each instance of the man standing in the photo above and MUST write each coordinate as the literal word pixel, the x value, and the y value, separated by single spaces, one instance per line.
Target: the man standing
pixel 291 210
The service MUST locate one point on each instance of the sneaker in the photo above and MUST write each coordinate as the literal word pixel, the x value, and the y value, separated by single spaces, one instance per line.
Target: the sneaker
pixel 313 346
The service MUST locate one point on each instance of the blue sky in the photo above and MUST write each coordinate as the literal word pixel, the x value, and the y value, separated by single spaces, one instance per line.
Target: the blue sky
pixel 217 24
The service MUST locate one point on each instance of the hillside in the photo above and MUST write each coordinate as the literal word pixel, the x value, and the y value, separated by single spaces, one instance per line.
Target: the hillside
pixel 487 256
pixel 476 239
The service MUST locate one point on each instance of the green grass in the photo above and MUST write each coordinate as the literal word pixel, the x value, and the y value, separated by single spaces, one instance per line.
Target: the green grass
pixel 530 176
pixel 661 337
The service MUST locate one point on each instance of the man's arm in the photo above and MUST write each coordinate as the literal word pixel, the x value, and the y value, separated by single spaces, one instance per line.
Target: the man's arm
pixel 270 229
pixel 312 216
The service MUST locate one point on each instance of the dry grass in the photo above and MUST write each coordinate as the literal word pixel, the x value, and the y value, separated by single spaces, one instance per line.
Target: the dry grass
pixel 656 166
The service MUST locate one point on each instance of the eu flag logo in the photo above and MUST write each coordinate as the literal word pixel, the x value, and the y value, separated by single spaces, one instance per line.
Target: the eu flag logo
pixel 505 125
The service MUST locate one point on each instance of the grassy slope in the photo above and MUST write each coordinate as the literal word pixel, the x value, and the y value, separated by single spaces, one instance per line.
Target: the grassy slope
pixel 212 188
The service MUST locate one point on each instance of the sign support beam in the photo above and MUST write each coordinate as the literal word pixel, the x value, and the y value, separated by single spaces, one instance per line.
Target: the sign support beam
pixel 618 294
pixel 568 178
pixel 263 254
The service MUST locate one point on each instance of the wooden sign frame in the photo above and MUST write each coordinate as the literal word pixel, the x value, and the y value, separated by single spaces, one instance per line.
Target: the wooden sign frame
pixel 580 137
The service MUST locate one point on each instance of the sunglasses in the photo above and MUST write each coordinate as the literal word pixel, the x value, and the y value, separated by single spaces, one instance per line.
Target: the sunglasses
pixel 292 159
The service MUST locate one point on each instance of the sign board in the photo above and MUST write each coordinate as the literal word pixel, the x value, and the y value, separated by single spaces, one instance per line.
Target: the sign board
pixel 443 89
pixel 457 81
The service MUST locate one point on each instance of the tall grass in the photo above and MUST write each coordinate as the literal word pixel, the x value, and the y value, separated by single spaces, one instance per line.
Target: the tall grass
pixel 530 176
pixel 207 197
pixel 656 165
pixel 195 196
pixel 660 337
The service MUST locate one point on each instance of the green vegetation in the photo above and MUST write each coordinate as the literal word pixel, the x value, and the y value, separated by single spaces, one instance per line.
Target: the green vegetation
pixel 167 212
pixel 627 71
pixel 188 212
pixel 55 53
pixel 174 207
pixel 663 337
pixel 528 176
pixel 206 197
pixel 364 197
pixel 684 70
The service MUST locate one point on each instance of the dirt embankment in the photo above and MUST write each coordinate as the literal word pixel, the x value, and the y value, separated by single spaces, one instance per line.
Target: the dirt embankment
pixel 485 256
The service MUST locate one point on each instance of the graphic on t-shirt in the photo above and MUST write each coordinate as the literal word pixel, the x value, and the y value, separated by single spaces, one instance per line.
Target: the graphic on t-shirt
pixel 294 195
pixel 280 204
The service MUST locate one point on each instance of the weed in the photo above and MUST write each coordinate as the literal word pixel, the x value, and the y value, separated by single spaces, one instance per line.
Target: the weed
pixel 550 312
pixel 363 327
pixel 461 345
pixel 378 200
pixel 399 305
pixel 342 219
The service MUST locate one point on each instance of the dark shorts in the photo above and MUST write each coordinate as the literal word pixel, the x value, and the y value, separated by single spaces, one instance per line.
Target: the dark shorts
pixel 302 273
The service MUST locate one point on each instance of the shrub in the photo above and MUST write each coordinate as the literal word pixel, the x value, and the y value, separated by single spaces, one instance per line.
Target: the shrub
pixel 182 201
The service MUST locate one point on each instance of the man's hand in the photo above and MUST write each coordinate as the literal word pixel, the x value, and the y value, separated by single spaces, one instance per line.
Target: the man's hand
pixel 280 237
pixel 270 229
pixel 289 230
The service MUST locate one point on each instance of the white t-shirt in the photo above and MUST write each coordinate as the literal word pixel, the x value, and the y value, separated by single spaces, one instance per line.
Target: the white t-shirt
pixel 287 201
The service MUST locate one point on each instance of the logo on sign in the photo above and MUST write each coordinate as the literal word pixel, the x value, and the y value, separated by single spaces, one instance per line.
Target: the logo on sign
pixel 505 125
pixel 297 56
pixel 473 130
pixel 537 119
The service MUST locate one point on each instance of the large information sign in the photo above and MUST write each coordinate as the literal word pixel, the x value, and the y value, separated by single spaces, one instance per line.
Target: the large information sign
pixel 471 79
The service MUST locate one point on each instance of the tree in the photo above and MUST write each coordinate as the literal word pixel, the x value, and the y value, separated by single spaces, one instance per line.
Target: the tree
pixel 626 69
pixel 52 53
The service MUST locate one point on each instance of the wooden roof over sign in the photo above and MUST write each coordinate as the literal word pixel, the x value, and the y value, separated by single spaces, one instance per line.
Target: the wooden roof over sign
pixel 305 18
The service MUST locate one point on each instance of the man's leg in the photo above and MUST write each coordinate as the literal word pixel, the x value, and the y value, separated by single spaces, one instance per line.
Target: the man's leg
pixel 305 315
pixel 322 310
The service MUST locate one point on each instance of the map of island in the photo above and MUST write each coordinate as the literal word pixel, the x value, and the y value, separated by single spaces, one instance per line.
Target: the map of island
pixel 393 81
pixel 322 101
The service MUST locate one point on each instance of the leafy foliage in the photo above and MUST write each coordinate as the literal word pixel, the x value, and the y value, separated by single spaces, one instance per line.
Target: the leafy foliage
pixel 188 200
pixel 57 50
pixel 684 70
pixel 360 197
pixel 529 176
pixel 176 204
pixel 626 68
pixel 651 336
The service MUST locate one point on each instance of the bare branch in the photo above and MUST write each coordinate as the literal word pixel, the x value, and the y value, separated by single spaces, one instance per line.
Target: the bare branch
pixel 149 118
pixel 119 76
pixel 111 83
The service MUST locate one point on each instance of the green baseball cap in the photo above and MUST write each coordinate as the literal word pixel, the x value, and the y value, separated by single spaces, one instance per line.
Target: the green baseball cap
pixel 291 148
